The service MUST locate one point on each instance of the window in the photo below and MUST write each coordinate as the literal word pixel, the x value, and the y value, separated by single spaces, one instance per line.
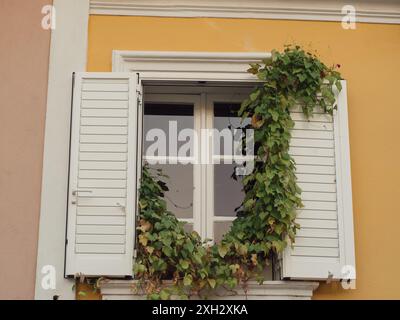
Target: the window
pixel 198 192
pixel 106 152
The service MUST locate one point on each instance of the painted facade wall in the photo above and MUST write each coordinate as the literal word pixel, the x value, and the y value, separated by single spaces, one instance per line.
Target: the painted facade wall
pixel 24 52
pixel 369 61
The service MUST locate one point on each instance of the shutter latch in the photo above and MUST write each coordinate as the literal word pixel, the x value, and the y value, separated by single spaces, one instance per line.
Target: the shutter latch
pixel 330 277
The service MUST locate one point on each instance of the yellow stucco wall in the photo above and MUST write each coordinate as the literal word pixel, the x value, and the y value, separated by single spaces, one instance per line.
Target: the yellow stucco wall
pixel 370 59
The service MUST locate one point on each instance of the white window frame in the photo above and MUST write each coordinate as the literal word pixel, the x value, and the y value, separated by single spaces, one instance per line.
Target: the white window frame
pixel 187 99
pixel 203 100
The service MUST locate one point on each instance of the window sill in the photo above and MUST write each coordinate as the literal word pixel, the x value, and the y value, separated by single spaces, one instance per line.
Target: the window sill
pixel 269 290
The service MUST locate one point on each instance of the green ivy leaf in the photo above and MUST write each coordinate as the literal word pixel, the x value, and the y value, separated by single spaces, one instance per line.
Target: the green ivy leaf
pixel 164 294
pixel 167 251
pixel 189 246
pixel 184 264
pixel 154 296
pixel 254 95
pixel 338 85
pixel 274 114
pixel 232 282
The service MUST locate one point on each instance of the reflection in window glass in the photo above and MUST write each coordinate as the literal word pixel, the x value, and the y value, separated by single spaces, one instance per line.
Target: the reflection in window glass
pixel 179 198
pixel 226 117
pixel 162 116
pixel 228 193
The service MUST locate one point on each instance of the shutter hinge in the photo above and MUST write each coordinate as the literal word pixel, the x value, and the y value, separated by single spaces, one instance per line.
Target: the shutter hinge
pixel 330 277
pixel 139 92
pixel 139 95
pixel 66 241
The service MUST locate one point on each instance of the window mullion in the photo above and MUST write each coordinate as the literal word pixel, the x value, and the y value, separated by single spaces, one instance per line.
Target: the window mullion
pixel 209 170
pixel 197 172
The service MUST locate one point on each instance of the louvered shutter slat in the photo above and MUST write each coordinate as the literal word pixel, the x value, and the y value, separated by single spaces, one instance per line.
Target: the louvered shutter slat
pixel 103 175
pixel 325 242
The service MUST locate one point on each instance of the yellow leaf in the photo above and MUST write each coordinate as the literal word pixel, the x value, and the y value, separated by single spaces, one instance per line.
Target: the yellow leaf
pixel 143 240
pixel 212 283
pixel 150 250
pixel 144 225
pixel 254 259
pixel 242 250
pixel 223 250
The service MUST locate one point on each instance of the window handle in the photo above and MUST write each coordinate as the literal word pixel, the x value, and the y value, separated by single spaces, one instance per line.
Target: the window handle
pixel 76 192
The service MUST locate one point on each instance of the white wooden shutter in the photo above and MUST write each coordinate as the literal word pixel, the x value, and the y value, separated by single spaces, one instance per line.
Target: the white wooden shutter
pixel 325 242
pixel 104 172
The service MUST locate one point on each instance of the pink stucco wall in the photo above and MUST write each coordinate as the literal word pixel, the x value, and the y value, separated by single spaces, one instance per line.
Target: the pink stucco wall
pixel 24 54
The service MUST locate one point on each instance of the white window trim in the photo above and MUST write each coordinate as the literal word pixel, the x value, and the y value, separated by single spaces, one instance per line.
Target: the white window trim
pixel 68 54
pixel 187 65
pixel 378 11
pixel 269 290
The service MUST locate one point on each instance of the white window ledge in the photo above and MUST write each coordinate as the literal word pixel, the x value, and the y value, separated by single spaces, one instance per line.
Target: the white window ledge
pixel 269 290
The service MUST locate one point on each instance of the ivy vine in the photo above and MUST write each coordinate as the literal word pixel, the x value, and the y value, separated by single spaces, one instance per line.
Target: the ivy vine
pixel 174 263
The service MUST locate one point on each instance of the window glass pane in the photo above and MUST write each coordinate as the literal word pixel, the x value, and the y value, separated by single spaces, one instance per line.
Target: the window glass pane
pixel 171 119
pixel 188 227
pixel 179 198
pixel 228 193
pixel 226 117
pixel 225 114
pixel 220 228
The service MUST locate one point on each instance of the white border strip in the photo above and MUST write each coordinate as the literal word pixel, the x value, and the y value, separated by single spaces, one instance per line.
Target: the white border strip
pixel 67 55
pixel 195 9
